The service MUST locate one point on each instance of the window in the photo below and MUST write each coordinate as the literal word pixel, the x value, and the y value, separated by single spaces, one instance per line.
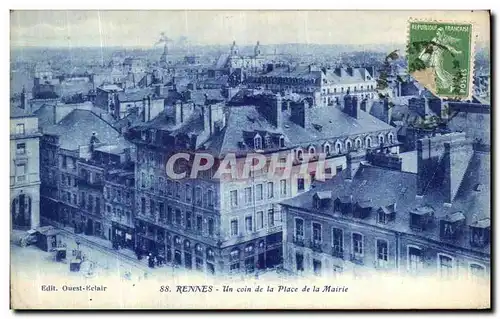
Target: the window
pixel 188 193
pixel 189 220
pixel 381 139
pixel 283 187
pixel 312 150
pixel 357 245
pixel 178 217
pixel 338 242
pixel 300 155
pixel 169 187
pixel 282 141
pixel 260 220
pixel 382 253
pixel 477 271
pixel 300 261
pixel 248 195
pixel 210 227
pixel 19 128
pixel 316 231
pixel 210 198
pixel 299 228
pixel 391 138
pixel 338 147
pixel 234 198
pixel 270 218
pixel 21 149
pixel 234 227
pixel 143 206
pixel 152 207
pixel 177 189
pixel 199 223
pixel 169 215
pixel 257 142
pixel 317 267
pixel 270 190
pixel 414 259
pixel 445 264
pixel 143 180
pixel 161 208
pixel 326 149
pixel 249 224
pixel 259 193
pixel 358 143
pixel 368 142
pixel 151 181
pixel 198 196
pixel 348 145
pixel 300 184
pixel 161 185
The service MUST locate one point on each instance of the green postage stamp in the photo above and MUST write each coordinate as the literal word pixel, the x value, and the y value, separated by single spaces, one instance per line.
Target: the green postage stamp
pixel 441 57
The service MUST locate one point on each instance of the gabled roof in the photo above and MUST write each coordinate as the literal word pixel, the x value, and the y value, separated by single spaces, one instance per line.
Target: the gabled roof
pixel 77 127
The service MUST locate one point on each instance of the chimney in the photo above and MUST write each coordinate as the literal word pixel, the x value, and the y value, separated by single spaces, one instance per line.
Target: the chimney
pixel 213 115
pixel 299 113
pixel 458 153
pixel 192 141
pixel 149 108
pixel 353 162
pixel 387 114
pixel 352 105
pixel 434 160
pixel 178 111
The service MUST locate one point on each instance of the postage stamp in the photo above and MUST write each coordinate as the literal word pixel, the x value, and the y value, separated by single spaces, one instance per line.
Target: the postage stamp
pixel 441 57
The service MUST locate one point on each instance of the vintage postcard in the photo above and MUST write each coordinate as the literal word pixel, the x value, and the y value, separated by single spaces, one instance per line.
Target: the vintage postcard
pixel 250 160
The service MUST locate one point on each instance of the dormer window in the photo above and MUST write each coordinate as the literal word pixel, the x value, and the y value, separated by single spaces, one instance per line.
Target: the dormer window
pixel 312 150
pixel 386 214
pixel 381 139
pixel 300 154
pixel 322 199
pixel 282 141
pixel 368 142
pixel 391 138
pixel 480 233
pixel 348 145
pixel 362 209
pixel 326 149
pixel 421 217
pixel 267 141
pixel 338 147
pixel 257 141
pixel 450 225
pixel 358 143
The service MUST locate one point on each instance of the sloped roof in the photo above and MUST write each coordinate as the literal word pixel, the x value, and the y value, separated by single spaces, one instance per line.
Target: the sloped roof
pixel 77 127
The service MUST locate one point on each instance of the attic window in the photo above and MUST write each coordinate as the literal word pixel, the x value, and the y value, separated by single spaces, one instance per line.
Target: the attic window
pixel 267 140
pixel 338 147
pixel 421 217
pixel 300 154
pixel 348 145
pixel 386 214
pixel 257 141
pixel 479 187
pixel 282 141
pixel 480 233
pixel 391 138
pixel 251 118
pixel 358 143
pixel 326 149
pixel 312 150
pixel 450 225
pixel 381 139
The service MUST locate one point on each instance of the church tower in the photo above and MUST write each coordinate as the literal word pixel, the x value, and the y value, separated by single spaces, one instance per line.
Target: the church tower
pixel 257 50
pixel 163 58
pixel 234 49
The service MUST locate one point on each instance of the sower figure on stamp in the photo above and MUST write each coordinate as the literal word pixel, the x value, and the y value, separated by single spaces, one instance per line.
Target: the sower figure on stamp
pixel 432 56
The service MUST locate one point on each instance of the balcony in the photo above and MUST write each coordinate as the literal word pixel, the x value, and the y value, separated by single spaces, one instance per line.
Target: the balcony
pixel 316 246
pixel 299 241
pixel 274 229
pixel 338 252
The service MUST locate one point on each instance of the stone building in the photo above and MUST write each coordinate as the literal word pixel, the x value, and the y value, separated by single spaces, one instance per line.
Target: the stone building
pixel 220 224
pixel 24 167
pixel 332 84
pixel 373 218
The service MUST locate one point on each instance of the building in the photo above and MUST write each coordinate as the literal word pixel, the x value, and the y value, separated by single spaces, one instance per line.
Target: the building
pixel 332 84
pixel 24 166
pixel 218 224
pixel 374 218
pixel 119 203
pixel 62 148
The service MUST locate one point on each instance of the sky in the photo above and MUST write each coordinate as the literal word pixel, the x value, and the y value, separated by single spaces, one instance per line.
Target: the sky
pixel 142 28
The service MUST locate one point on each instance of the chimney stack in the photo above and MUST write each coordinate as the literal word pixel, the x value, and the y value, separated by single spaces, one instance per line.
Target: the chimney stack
pixel 441 162
pixel 178 111
pixel 352 105
pixel 299 113
pixel 387 111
